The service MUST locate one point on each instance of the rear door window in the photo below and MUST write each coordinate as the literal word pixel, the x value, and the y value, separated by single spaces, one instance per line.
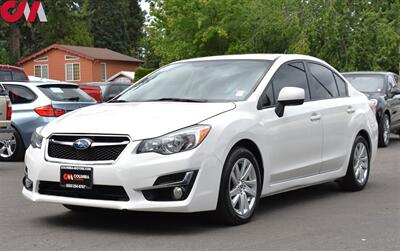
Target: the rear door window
pixel 20 94
pixel 5 75
pixel 322 82
pixel 342 86
pixel 19 76
pixel 65 93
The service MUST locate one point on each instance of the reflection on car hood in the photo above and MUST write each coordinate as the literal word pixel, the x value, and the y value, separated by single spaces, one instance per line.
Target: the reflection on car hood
pixel 139 120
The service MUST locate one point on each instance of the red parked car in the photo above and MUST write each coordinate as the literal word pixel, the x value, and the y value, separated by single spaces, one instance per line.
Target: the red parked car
pixel 103 91
pixel 10 73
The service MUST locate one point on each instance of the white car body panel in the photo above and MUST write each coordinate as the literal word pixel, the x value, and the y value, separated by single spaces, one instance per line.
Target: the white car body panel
pixel 296 150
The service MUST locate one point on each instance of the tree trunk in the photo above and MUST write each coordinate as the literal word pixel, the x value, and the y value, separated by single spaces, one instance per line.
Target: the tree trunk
pixel 14 43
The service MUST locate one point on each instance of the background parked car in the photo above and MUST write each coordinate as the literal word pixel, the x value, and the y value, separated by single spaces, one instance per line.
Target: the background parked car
pixel 383 89
pixel 35 104
pixel 104 91
pixel 12 73
pixel 5 121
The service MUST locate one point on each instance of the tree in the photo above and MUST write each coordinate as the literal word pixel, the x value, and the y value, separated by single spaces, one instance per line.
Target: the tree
pixel 350 35
pixel 116 25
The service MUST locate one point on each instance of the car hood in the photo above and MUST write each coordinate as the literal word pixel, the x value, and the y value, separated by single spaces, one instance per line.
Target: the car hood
pixel 138 120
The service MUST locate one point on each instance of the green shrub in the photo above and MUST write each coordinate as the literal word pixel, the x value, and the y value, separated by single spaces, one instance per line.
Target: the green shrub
pixel 142 72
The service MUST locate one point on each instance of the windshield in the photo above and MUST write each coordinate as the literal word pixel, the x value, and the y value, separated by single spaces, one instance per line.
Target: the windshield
pixel 69 93
pixel 202 81
pixel 367 83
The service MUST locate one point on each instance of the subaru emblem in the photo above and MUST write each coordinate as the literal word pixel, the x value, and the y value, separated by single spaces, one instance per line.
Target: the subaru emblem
pixel 82 144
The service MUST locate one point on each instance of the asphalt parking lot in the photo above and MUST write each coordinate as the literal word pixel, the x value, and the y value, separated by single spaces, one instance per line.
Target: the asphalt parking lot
pixel 316 218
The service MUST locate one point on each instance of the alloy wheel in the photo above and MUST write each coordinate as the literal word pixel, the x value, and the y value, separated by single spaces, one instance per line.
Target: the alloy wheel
pixel 243 187
pixel 7 147
pixel 361 163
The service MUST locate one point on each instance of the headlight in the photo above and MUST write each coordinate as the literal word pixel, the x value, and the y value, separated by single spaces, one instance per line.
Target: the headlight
pixel 37 139
pixel 179 141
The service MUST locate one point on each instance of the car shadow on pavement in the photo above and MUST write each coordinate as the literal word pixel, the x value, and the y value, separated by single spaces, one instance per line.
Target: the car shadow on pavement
pixel 173 223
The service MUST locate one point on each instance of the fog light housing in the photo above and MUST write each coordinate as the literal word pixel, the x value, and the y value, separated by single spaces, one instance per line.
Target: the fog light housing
pixel 28 183
pixel 172 187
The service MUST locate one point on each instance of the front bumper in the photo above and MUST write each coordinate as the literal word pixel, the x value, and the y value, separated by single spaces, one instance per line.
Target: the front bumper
pixel 135 172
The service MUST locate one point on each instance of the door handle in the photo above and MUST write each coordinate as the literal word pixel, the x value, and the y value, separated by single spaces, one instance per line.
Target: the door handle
pixel 350 110
pixel 315 117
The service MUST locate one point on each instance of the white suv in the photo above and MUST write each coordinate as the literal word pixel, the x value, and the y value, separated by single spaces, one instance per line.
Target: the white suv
pixel 205 134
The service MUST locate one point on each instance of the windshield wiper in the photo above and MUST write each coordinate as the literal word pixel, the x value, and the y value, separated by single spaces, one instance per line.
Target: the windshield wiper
pixel 117 101
pixel 72 99
pixel 179 100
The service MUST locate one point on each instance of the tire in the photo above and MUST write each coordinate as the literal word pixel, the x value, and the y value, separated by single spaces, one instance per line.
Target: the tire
pixel 384 131
pixel 359 167
pixel 80 209
pixel 12 150
pixel 246 187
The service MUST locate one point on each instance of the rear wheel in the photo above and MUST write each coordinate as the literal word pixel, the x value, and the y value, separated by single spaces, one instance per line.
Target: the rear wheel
pixel 13 149
pixel 359 167
pixel 384 131
pixel 240 188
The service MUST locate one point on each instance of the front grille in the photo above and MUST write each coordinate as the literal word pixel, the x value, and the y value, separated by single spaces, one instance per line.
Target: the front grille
pixel 108 148
pixel 98 192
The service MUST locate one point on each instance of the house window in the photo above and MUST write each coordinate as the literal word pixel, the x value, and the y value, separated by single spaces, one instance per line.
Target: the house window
pixel 42 71
pixel 42 59
pixel 103 72
pixel 72 72
pixel 69 57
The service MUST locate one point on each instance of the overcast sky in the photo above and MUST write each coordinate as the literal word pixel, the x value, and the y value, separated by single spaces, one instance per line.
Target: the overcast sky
pixel 145 6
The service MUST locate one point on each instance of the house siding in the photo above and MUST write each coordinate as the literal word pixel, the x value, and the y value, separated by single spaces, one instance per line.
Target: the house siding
pixel 113 67
pixel 90 71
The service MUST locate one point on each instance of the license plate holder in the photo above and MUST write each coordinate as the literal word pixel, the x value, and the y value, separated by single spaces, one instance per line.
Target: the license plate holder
pixel 76 177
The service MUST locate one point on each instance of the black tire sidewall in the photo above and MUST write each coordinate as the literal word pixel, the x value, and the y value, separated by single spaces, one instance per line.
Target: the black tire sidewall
pixel 224 208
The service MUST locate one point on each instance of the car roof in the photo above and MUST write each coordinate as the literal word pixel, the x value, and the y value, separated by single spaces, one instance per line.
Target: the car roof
pixel 103 83
pixel 271 57
pixel 3 66
pixel 368 73
pixel 39 83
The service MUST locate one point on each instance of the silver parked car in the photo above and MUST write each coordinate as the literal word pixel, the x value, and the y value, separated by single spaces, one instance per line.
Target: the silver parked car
pixel 35 104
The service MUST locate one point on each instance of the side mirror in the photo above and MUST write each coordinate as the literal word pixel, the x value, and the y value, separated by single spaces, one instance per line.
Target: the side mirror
pixel 109 97
pixel 289 96
pixel 396 91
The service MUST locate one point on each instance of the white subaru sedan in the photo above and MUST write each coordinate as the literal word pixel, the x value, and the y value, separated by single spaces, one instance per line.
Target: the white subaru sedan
pixel 208 134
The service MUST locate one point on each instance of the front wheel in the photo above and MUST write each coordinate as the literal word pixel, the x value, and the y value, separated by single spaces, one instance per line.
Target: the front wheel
pixel 240 188
pixel 359 167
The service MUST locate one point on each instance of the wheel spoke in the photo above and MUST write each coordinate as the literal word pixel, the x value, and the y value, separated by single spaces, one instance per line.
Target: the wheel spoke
pixel 235 200
pixel 246 203
pixel 9 151
pixel 2 149
pixel 234 191
pixel 250 191
pixel 234 179
pixel 250 183
pixel 357 172
pixel 247 171
pixel 242 204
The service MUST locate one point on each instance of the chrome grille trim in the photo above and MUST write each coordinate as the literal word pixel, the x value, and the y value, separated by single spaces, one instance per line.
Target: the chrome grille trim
pixel 49 140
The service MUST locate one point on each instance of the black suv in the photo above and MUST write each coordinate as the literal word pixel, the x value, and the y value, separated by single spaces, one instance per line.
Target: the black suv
pixel 383 89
